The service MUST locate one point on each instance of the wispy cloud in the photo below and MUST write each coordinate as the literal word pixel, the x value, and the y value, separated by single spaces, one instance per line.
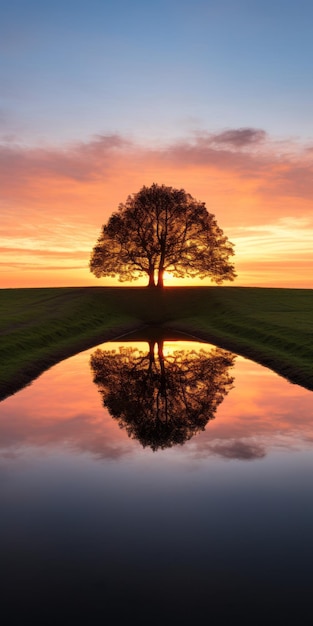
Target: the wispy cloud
pixel 260 189
pixel 99 148
pixel 285 235
pixel 77 162
pixel 283 168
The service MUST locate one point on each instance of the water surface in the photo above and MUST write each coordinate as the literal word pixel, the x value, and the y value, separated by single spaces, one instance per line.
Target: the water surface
pixel 118 514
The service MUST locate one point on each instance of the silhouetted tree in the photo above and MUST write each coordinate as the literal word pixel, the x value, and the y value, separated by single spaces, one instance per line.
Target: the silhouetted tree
pixel 161 228
pixel 162 399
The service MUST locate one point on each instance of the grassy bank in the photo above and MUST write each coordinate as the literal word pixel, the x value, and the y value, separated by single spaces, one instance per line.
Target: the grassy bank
pixel 271 326
pixel 39 327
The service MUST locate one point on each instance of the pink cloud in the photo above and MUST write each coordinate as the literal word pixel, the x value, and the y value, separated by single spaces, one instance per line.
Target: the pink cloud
pixel 83 162
pixel 56 199
pixel 79 162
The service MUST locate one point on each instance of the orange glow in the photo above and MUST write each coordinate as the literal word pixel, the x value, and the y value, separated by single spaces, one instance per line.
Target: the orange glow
pixel 55 204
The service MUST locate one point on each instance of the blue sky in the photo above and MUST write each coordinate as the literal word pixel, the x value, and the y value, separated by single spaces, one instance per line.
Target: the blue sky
pixel 157 70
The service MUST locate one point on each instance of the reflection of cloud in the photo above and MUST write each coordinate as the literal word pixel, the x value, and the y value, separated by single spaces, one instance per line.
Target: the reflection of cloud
pixel 79 432
pixel 238 449
pixel 61 408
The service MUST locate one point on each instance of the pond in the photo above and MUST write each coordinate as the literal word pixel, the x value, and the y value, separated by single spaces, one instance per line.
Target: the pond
pixel 157 482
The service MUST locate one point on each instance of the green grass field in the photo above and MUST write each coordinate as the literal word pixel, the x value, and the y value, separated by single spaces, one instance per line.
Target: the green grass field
pixel 39 327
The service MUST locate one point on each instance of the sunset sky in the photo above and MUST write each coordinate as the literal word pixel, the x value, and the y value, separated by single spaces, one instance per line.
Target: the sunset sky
pixel 101 97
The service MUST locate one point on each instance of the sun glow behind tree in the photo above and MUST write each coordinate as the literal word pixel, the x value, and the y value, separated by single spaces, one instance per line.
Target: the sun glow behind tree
pixel 158 230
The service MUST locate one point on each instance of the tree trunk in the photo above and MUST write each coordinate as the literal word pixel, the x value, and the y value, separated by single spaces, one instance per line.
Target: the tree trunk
pixel 151 282
pixel 161 266
pixel 151 354
pixel 160 278
pixel 163 381
pixel 161 355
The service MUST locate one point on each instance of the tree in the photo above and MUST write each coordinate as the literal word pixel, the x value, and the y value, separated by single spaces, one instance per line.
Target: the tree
pixel 162 399
pixel 162 229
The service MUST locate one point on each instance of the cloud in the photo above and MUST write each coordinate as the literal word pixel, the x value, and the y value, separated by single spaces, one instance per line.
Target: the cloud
pixel 240 138
pixel 57 198
pixel 245 451
pixel 85 160
pixel 290 178
pixel 24 266
pixel 268 240
pixel 44 252
pixel 203 150
pixel 275 169
pixel 263 412
pixel 77 432
pixel 78 162
pixel 244 153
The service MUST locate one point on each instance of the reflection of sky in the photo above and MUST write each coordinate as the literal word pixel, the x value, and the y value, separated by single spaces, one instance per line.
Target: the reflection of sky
pixel 262 412
pixel 91 522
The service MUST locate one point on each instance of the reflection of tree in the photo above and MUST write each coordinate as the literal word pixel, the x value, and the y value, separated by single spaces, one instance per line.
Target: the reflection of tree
pixel 162 399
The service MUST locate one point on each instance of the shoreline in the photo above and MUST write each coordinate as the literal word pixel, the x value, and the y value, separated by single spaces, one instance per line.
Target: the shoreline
pixel 40 327
pixel 27 375
pixel 280 366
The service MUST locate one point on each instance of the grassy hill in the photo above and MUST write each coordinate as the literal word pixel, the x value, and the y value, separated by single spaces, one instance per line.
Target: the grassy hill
pixel 39 327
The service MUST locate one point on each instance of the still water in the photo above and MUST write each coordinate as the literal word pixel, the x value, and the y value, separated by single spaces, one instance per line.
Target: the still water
pixel 154 484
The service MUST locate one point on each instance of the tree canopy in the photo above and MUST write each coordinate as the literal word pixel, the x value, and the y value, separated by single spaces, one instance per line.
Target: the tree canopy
pixel 162 399
pixel 162 229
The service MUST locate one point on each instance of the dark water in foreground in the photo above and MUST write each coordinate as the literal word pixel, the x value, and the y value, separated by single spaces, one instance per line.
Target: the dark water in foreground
pixel 192 504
